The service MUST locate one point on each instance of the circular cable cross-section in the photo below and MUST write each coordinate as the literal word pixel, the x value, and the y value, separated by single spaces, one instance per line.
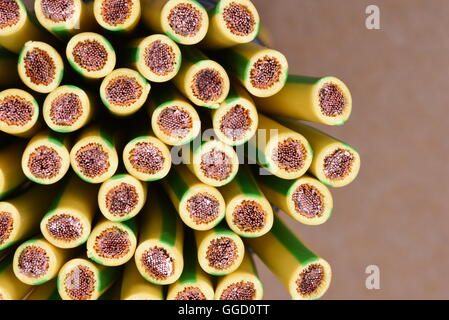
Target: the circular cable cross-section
pixel 40 67
pixel 91 55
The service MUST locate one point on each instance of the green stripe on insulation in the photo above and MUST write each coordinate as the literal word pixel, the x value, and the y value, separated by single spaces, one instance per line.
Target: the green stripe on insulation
pixel 176 184
pixel 190 261
pixel 246 182
pixel 276 184
pixel 169 221
pixel 291 243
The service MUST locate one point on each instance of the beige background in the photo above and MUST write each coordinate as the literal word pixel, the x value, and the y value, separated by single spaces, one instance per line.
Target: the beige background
pixel 396 215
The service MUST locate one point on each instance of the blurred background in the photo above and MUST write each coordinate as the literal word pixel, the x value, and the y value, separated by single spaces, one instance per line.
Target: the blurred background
pixel 396 214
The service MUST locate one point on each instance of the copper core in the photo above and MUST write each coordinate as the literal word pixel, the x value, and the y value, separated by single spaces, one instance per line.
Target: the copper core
pixel 236 122
pixel 249 216
pixel 265 72
pixel 39 67
pixel 332 100
pixel 158 263
pixel 65 227
pixel 243 290
pixel 146 158
pixel 290 155
pixel 175 122
pixel 44 162
pixel 66 109
pixel 1 297
pixel 6 226
pixel 239 19
pixel 33 261
pixel 190 293
pixel 90 55
pixel 160 58
pixel 112 243
pixel 123 91
pixel 16 111
pixel 310 279
pixel 9 13
pixel 58 10
pixel 216 165
pixel 79 284
pixel 203 208
pixel 92 160
pixel 185 20
pixel 338 165
pixel 207 85
pixel 308 201
pixel 222 253
pixel 122 199
pixel 115 12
